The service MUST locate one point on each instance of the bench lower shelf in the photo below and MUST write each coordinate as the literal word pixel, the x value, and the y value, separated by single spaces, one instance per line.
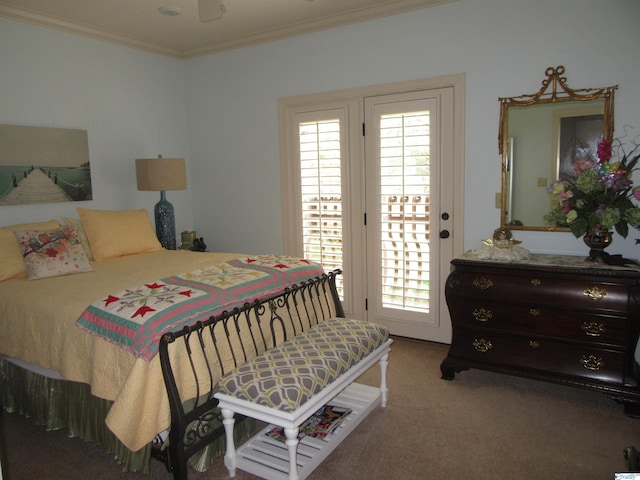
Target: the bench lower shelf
pixel 269 458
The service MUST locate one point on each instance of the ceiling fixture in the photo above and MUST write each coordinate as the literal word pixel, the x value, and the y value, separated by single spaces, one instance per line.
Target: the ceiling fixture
pixel 170 11
pixel 210 10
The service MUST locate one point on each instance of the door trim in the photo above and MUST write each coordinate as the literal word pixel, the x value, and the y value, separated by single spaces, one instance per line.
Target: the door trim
pixel 353 97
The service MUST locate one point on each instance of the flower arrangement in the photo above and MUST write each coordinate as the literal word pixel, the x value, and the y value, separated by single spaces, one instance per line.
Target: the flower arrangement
pixel 601 194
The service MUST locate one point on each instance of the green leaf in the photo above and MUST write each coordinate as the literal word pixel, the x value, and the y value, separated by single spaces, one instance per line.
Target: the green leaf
pixel 579 227
pixel 632 163
pixel 622 228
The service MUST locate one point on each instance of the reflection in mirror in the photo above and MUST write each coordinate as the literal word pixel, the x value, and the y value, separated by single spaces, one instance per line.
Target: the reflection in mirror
pixel 541 136
pixel 543 144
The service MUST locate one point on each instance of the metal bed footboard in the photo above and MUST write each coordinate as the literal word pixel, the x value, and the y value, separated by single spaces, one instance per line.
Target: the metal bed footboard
pixel 194 358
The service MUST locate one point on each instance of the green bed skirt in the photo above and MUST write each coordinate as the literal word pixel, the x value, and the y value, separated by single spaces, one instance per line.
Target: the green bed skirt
pixel 59 404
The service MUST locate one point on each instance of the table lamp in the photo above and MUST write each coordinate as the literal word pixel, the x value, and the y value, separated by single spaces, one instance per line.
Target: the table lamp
pixel 162 174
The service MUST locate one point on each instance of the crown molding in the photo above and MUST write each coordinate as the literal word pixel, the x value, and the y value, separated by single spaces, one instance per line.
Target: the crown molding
pixel 85 30
pixel 356 16
pixel 361 15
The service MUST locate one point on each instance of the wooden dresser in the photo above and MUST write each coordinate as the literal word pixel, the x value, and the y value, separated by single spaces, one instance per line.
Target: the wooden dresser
pixel 553 318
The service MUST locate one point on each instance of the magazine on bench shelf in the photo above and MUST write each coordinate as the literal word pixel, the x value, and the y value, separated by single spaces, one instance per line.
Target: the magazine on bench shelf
pixel 320 425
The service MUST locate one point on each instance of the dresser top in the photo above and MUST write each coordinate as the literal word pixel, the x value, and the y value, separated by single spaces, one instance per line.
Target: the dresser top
pixel 552 261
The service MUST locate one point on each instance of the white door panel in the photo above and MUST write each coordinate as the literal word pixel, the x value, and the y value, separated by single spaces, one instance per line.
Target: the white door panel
pixel 406 191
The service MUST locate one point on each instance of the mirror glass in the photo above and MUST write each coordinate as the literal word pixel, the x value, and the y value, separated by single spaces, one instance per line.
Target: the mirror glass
pixel 541 136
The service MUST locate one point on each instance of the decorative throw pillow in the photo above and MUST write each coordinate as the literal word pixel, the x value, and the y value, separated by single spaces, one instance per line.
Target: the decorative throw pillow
pixel 11 262
pixel 52 253
pixel 76 222
pixel 114 233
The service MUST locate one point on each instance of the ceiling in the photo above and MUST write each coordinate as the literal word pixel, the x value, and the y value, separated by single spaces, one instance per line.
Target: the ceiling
pixel 139 24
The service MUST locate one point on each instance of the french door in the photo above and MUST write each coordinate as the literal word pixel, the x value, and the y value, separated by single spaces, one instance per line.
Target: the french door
pixel 409 211
pixel 372 184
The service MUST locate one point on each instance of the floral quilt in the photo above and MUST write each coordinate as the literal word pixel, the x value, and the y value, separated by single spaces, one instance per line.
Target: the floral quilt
pixel 135 318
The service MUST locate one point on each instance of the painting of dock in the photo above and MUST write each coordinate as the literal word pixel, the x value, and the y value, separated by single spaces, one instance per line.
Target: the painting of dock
pixel 43 165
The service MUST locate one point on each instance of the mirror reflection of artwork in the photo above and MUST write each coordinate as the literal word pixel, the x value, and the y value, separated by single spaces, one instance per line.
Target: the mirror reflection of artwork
pixel 579 138
pixel 43 165
pixel 537 121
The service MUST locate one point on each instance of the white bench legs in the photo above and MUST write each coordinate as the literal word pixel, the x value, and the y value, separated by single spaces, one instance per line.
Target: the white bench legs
pixel 292 446
pixel 230 454
pixel 384 390
pixel 295 460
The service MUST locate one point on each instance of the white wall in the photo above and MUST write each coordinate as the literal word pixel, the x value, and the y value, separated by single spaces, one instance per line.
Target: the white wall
pixel 503 46
pixel 132 104
pixel 220 111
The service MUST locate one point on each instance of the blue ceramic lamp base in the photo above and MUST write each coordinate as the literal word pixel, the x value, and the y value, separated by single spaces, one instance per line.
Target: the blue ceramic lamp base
pixel 165 222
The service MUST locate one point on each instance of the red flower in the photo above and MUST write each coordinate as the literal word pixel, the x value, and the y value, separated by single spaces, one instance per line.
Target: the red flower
pixel 604 151
pixel 142 311
pixel 52 252
pixel 110 299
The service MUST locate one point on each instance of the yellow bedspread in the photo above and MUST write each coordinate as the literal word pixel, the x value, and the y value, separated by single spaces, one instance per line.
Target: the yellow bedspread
pixel 38 324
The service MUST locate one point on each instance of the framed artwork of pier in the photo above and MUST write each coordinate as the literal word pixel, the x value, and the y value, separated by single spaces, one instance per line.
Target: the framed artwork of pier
pixel 43 165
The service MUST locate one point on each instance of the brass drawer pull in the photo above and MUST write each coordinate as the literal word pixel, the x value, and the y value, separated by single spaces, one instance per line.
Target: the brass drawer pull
pixel 482 283
pixel 593 329
pixel 482 345
pixel 533 344
pixel 482 315
pixel 536 282
pixel 534 312
pixel 591 362
pixel 595 293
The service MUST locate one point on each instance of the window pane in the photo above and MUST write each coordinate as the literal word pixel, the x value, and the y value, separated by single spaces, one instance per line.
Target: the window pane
pixel 321 187
pixel 404 198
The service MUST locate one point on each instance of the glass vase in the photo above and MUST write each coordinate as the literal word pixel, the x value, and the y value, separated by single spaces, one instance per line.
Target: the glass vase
pixel 597 239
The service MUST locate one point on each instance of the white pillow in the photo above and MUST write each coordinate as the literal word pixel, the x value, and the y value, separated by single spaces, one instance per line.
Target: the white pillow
pixel 11 262
pixel 52 253
pixel 81 234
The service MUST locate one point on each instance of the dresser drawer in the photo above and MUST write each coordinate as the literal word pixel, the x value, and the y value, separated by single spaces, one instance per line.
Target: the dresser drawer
pixel 530 288
pixel 543 321
pixel 546 356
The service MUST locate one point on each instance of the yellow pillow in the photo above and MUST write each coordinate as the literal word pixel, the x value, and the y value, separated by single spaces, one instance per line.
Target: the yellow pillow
pixel 11 261
pixel 114 233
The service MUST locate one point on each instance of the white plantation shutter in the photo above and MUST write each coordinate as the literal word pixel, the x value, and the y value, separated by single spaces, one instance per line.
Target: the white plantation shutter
pixel 321 188
pixel 404 210
pixel 321 192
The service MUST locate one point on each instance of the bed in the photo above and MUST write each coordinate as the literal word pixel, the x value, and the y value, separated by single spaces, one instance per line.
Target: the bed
pixel 42 343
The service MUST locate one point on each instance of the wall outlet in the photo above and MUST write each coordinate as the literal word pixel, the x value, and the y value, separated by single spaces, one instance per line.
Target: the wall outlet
pixel 498 200
pixel 542 182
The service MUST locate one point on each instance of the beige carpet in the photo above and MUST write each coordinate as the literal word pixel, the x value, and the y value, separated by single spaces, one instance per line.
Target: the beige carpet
pixel 479 426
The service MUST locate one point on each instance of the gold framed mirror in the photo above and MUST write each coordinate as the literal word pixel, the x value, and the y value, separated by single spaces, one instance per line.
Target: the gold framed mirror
pixel 540 136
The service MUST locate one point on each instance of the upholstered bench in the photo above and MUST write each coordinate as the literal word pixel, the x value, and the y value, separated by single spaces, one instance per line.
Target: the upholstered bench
pixel 287 384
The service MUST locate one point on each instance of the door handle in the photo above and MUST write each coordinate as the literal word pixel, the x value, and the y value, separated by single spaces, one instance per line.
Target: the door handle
pixel 444 233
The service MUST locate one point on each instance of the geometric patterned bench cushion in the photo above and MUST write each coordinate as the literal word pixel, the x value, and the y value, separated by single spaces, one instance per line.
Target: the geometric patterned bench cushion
pixel 285 377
